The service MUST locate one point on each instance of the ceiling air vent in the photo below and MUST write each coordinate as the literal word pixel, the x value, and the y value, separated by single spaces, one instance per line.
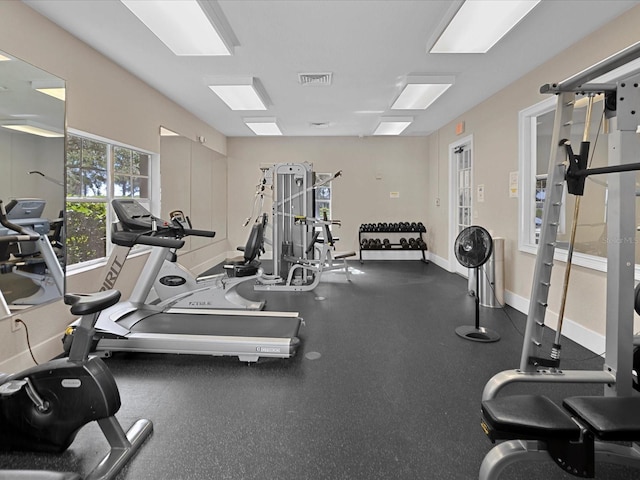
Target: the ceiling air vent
pixel 315 79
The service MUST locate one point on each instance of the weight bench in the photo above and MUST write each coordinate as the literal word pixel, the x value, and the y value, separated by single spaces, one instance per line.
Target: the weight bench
pixel 538 429
pixel 333 260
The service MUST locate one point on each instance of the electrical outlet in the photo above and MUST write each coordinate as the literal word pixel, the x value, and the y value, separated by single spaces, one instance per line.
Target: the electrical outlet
pixel 15 324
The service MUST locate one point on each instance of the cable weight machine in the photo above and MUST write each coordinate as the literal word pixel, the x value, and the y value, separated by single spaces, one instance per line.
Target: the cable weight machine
pixel 587 428
pixel 299 254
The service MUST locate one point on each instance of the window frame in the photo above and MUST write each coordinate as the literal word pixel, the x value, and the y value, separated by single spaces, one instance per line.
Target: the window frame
pixel 527 179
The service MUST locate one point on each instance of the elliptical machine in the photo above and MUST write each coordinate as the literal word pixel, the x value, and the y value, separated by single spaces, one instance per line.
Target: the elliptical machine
pixel 43 408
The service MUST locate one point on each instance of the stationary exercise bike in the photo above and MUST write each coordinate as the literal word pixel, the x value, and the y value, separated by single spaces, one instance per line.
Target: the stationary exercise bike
pixel 43 408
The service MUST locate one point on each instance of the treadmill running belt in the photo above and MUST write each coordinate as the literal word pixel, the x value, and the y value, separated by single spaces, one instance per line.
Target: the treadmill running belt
pixel 236 326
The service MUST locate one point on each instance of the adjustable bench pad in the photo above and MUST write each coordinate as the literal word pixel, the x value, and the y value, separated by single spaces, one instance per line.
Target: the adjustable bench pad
pixel 527 417
pixel 609 418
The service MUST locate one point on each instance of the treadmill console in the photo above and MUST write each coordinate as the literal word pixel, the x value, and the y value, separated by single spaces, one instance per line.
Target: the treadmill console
pixel 134 216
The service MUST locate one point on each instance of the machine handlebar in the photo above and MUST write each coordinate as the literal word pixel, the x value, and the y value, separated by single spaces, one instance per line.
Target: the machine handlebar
pixel 198 233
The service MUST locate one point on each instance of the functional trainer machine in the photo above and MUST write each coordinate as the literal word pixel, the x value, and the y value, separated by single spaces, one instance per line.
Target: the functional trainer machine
pixel 135 326
pixel 300 255
pixel 579 434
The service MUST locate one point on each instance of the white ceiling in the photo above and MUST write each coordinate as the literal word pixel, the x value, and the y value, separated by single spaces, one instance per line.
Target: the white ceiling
pixel 370 46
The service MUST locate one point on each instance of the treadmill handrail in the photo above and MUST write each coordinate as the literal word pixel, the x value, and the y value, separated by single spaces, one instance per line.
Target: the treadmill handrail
pixel 25 234
pixel 145 223
pixel 129 239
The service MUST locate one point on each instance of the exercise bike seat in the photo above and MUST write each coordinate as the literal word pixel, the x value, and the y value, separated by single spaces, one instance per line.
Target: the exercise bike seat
pixel 37 475
pixel 86 304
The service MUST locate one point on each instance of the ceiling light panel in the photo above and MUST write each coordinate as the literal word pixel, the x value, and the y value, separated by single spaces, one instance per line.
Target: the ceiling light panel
pixel 392 125
pixel 239 94
pixel 263 126
pixel 182 25
pixel 27 126
pixel 421 91
pixel 480 24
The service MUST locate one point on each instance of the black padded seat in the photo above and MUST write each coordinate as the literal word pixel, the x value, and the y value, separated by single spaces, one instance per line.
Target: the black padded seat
pixel 528 417
pixel 610 418
pixel 247 264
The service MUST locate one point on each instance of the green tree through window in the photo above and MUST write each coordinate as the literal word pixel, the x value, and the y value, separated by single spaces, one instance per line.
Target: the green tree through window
pixel 96 173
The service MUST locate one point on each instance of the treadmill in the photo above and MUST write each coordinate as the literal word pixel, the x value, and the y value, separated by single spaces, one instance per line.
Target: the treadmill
pixel 133 326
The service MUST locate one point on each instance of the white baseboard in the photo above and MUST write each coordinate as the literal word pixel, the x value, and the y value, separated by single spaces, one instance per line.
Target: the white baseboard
pixel 572 330
pixel 439 261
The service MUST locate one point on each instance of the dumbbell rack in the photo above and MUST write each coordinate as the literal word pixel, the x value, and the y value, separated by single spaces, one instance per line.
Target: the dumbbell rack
pixel 394 232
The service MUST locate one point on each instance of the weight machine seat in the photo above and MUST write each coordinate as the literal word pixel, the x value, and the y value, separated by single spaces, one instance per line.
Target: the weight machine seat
pixel 247 264
pixel 609 418
pixel 37 475
pixel 527 417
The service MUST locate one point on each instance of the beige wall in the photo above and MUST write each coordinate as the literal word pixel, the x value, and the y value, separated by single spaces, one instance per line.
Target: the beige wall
pixel 104 100
pixel 494 125
pixel 358 196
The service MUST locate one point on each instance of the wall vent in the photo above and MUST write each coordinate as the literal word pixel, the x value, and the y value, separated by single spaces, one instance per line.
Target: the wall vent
pixel 315 78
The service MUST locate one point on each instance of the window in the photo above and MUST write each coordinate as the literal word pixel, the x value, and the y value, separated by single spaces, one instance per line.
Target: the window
pixel 536 127
pixel 323 196
pixel 97 172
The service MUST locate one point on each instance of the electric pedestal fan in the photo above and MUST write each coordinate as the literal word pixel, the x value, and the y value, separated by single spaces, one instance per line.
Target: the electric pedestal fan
pixel 473 248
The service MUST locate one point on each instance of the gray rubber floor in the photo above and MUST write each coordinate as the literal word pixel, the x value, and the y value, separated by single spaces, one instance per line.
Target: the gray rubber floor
pixel 382 388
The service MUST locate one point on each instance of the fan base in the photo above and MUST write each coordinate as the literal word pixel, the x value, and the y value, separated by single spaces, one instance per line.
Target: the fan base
pixel 479 334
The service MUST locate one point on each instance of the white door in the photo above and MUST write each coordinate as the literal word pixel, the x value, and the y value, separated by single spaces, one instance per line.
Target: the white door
pixel 460 186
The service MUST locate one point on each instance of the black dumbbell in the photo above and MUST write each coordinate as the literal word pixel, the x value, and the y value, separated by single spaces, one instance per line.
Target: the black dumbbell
pixel 404 243
pixel 386 243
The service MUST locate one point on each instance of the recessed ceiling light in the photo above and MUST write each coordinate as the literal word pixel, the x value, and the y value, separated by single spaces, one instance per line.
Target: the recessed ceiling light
pixel 421 91
pixel 4 58
pixel 187 27
pixel 27 126
pixel 239 93
pixel 392 125
pixel 479 24
pixel 263 125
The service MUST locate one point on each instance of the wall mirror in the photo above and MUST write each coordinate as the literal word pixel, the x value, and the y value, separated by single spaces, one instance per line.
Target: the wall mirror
pixel 185 162
pixel 32 152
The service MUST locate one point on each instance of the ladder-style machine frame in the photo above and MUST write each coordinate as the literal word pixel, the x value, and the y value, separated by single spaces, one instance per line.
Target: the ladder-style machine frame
pixel 622 107
pixel 624 155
